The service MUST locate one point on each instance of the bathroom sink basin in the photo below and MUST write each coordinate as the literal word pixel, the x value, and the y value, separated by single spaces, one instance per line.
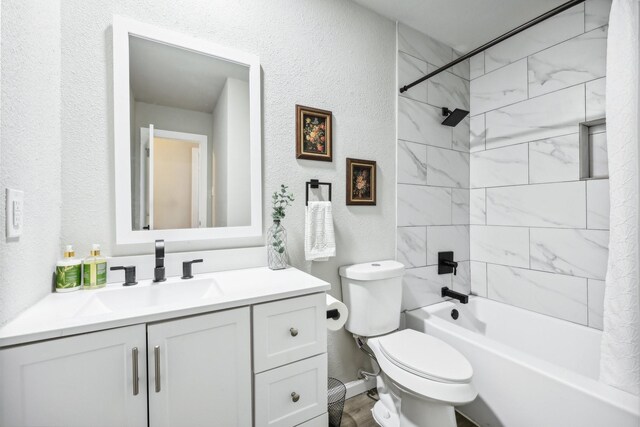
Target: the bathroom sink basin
pixel 126 300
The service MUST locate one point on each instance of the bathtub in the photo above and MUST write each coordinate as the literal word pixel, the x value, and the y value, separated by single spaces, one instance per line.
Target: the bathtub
pixel 530 370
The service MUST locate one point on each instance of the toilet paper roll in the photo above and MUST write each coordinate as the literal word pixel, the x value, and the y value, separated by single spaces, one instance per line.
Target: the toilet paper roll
pixel 334 304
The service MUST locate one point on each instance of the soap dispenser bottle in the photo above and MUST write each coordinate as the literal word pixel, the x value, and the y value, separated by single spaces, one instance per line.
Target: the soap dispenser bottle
pixel 95 269
pixel 68 272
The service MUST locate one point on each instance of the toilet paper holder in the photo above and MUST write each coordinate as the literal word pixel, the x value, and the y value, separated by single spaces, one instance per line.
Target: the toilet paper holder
pixel 333 314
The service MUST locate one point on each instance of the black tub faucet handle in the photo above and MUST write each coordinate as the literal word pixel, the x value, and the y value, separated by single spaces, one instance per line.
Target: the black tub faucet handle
pixel 446 264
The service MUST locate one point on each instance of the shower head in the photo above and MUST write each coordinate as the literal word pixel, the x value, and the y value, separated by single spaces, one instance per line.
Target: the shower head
pixel 453 117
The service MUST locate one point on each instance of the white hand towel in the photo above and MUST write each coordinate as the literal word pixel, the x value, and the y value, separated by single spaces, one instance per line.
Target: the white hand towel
pixel 319 240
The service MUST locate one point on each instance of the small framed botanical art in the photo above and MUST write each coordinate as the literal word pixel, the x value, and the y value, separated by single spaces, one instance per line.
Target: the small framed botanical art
pixel 361 182
pixel 313 134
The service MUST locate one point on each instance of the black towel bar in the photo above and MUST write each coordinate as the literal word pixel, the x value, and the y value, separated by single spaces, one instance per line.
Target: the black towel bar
pixel 314 183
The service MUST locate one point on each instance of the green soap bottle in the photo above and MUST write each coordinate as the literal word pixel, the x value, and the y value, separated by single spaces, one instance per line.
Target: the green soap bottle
pixel 94 269
pixel 68 272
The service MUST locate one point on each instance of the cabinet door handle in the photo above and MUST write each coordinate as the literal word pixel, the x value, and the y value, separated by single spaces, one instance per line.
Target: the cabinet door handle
pixel 295 396
pixel 134 369
pixel 156 356
pixel 294 332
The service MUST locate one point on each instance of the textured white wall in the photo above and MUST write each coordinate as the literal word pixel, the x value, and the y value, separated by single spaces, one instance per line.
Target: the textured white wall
pixel 329 54
pixel 30 149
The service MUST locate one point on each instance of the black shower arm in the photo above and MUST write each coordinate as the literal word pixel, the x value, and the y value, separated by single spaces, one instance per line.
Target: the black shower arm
pixel 495 41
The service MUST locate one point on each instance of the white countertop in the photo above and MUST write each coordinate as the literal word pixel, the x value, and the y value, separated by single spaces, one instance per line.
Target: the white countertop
pixel 64 314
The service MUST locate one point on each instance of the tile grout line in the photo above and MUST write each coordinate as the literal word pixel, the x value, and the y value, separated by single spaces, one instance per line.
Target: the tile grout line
pixel 485 207
pixel 527 78
pixel 586 206
pixel 434 65
pixel 529 247
pixel 587 289
pixel 541 50
pixel 541 227
pixel 484 119
pixel 497 186
pixel 528 163
pixel 534 97
pixel 426 246
pixel 528 269
pixel 524 142
pixel 486 274
pixel 431 145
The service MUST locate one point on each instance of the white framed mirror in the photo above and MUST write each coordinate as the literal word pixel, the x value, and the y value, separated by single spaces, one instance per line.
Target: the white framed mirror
pixel 187 129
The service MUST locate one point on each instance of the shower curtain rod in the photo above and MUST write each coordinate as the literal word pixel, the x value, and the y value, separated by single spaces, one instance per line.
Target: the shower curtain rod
pixel 495 41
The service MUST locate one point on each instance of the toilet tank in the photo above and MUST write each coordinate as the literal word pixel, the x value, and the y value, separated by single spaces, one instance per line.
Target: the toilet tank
pixel 372 292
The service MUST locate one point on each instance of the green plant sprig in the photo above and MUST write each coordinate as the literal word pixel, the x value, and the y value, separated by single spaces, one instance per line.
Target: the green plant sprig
pixel 280 201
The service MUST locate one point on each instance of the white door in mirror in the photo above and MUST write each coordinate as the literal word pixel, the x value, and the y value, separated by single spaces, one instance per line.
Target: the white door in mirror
pixel 15 214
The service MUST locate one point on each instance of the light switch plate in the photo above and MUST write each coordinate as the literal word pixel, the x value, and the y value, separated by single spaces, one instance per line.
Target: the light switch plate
pixel 15 213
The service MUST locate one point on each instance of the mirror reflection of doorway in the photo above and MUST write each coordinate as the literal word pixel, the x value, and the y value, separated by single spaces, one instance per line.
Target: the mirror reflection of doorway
pixel 173 179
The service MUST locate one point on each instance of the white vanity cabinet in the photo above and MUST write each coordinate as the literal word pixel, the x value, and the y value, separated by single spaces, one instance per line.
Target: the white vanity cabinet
pixel 200 370
pixel 83 380
pixel 290 361
pixel 256 357
pixel 199 374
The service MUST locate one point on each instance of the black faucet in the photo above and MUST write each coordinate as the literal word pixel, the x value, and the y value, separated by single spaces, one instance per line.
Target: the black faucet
pixel 158 272
pixel 446 264
pixel 446 292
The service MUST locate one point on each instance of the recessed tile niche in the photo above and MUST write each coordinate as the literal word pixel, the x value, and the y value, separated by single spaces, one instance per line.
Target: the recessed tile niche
pixel 593 149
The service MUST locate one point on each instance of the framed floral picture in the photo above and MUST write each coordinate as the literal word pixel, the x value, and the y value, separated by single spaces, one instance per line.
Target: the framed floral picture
pixel 361 182
pixel 313 134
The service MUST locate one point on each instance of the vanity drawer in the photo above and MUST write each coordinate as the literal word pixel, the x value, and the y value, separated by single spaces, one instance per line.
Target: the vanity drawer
pixel 288 330
pixel 291 394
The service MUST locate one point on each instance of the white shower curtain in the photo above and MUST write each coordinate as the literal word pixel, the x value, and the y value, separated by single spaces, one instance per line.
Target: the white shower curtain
pixel 620 357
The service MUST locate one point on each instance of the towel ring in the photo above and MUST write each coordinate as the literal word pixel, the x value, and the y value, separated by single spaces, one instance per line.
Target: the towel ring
pixel 314 183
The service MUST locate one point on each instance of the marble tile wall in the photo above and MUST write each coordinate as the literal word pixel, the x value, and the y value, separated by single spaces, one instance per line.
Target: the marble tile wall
pixel 433 170
pixel 539 235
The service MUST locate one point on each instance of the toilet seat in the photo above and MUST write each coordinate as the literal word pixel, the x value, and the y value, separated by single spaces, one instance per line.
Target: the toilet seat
pixel 454 393
pixel 426 356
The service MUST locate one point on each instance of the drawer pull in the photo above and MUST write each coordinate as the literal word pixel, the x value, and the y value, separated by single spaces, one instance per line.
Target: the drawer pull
pixel 295 397
pixel 294 332
pixel 134 369
pixel 156 354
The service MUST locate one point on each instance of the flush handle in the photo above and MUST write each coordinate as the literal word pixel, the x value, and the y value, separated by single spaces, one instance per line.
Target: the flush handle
pixel 294 332
pixel 295 397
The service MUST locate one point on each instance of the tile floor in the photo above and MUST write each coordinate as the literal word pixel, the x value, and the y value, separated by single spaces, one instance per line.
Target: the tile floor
pixel 357 413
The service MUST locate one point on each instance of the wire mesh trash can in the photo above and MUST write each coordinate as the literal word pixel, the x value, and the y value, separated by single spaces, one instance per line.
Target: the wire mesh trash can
pixel 335 400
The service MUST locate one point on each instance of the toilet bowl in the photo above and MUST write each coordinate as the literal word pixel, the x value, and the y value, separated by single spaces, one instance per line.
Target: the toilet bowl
pixel 425 378
pixel 422 378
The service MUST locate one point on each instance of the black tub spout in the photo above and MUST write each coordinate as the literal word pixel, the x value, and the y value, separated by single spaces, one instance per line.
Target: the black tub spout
pixel 446 292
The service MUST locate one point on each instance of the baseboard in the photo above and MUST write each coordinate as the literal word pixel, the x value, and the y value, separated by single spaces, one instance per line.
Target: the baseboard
pixel 359 386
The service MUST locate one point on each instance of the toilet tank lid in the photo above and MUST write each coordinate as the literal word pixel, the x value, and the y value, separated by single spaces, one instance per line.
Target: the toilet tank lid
pixel 375 270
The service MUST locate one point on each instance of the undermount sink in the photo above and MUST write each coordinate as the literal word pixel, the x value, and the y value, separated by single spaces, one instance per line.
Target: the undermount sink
pixel 155 295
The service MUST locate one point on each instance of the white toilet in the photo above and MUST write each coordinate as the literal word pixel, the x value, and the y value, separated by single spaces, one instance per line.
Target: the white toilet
pixel 422 378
